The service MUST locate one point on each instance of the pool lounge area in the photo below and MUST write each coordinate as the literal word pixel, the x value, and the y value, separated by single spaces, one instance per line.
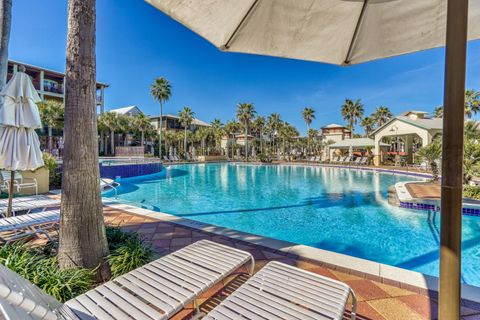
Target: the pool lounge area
pixel 307 212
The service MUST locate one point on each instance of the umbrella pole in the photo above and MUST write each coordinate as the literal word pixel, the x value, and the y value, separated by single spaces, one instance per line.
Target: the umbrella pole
pixel 452 164
pixel 10 193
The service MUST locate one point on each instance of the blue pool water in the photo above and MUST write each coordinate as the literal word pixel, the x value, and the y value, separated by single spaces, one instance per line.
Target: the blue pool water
pixel 341 210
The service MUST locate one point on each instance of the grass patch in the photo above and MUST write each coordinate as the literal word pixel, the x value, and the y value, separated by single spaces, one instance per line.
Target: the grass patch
pixel 39 265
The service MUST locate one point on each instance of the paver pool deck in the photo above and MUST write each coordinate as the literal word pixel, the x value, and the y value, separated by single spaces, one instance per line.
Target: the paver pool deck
pixel 376 300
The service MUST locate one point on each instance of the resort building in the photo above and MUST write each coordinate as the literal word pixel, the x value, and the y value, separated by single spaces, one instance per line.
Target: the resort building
pixel 335 132
pixel 408 132
pixel 50 84
pixel 171 122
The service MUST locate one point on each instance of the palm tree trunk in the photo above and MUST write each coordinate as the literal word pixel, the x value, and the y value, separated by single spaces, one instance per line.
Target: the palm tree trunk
pixel 102 145
pixel 82 241
pixel 185 141
pixel 246 141
pixel 142 139
pixel 308 139
pixel 160 133
pixel 112 142
pixel 6 18
pixel 50 142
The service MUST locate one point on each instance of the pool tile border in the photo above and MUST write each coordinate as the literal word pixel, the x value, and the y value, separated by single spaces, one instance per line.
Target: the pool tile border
pixel 403 278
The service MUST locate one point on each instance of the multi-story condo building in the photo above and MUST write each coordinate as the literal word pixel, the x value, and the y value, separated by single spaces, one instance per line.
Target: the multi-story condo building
pixel 50 84
pixel 172 122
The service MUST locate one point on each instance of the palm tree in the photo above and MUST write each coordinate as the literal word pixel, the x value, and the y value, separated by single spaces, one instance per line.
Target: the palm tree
pixel 161 90
pixel 142 123
pixel 313 134
pixel 351 112
pixel 230 129
pixel 82 239
pixel 186 119
pixel 273 124
pixel 472 103
pixel 6 18
pixel 367 123
pixel 216 128
pixel 110 120
pixel 308 115
pixel 381 115
pixel 202 135
pixel 52 113
pixel 287 133
pixel 438 112
pixel 432 153
pixel 245 114
pixel 258 126
pixel 125 125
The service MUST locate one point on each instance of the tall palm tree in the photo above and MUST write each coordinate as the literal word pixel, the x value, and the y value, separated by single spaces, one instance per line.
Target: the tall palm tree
pixel 110 120
pixel 367 123
pixel 216 128
pixel 6 18
pixel 82 240
pixel 202 135
pixel 161 90
pixel 258 126
pixel 287 133
pixel 186 119
pixel 230 129
pixel 472 103
pixel 142 123
pixel 313 134
pixel 245 114
pixel 351 112
pixel 51 113
pixel 125 125
pixel 308 115
pixel 381 115
pixel 273 124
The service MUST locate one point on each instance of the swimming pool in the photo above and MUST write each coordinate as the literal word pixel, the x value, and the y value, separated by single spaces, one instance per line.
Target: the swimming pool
pixel 341 210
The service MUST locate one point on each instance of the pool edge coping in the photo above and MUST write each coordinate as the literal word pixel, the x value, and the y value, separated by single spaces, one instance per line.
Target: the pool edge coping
pixel 387 274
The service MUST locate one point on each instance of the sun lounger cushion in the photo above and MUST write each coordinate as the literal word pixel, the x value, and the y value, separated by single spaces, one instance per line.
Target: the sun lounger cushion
pixel 280 291
pixel 161 288
pixel 28 203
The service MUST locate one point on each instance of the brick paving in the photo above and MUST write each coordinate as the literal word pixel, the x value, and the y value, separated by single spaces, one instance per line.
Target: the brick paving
pixel 376 300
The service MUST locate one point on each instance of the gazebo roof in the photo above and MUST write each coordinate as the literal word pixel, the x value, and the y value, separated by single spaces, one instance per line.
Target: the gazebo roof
pixel 356 143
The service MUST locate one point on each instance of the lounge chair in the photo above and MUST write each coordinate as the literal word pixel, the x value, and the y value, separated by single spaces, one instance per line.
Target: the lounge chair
pixel 357 161
pixel 157 290
pixel 280 291
pixel 19 182
pixel 165 158
pixel 365 161
pixel 28 204
pixel 16 228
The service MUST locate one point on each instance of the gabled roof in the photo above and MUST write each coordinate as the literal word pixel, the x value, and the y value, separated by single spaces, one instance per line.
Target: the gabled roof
pixel 424 123
pixel 356 143
pixel 413 111
pixel 126 110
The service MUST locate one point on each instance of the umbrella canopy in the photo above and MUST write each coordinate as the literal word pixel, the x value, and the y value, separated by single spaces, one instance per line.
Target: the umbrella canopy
pixel 19 117
pixel 332 31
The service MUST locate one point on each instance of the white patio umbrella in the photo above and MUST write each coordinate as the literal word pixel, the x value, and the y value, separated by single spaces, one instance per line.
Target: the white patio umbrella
pixel 346 32
pixel 19 117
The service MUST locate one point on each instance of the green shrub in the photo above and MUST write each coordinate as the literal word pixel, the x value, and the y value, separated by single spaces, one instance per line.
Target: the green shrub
pixel 116 237
pixel 472 192
pixel 44 272
pixel 132 254
pixel 50 162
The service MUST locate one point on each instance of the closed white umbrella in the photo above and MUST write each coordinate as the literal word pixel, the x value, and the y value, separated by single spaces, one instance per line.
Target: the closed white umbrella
pixel 346 32
pixel 19 117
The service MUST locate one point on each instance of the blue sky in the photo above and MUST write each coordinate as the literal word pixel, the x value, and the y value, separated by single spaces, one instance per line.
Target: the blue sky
pixel 136 43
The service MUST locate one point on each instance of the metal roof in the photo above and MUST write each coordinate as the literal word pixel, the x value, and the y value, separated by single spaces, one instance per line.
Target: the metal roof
pixel 356 143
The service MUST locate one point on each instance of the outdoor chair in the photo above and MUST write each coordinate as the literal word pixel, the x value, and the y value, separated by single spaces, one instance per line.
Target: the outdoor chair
pixel 365 161
pixel 165 158
pixel 19 182
pixel 280 291
pixel 157 290
pixel 357 160
pixel 28 204
pixel 16 228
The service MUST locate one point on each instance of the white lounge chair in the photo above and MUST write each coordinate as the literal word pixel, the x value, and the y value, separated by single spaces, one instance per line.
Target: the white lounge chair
pixel 19 227
pixel 28 204
pixel 19 182
pixel 157 290
pixel 280 291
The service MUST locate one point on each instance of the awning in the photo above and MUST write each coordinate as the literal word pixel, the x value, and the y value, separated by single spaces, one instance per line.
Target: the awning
pixel 356 143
